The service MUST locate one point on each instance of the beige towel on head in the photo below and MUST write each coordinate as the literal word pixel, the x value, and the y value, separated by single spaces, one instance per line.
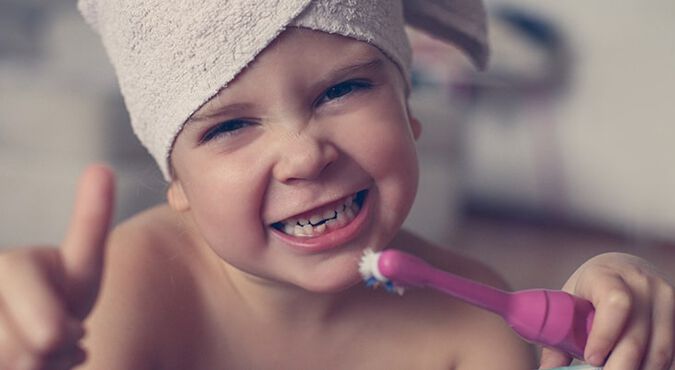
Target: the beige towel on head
pixel 171 57
pixel 460 22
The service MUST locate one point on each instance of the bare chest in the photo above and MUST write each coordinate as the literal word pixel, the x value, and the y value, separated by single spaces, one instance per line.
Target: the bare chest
pixel 359 352
pixel 370 343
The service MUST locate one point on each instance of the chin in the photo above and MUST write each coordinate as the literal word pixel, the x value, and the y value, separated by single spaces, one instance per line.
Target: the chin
pixel 332 287
pixel 334 280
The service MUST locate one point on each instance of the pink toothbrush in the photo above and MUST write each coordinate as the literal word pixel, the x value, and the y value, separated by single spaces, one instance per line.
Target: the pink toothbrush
pixel 548 317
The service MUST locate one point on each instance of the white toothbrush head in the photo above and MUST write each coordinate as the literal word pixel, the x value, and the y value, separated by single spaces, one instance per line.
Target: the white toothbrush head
pixel 370 272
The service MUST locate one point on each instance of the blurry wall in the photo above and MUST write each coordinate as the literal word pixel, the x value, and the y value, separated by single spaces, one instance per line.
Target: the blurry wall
pixel 59 111
pixel 583 129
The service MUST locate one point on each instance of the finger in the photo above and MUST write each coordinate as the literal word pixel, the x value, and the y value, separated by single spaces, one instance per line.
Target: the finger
pixel 84 246
pixel 66 359
pixel 613 303
pixel 36 312
pixel 660 353
pixel 551 359
pixel 13 352
pixel 630 350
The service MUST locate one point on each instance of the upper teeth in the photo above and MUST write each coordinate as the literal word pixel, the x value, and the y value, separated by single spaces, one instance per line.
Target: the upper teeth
pixel 321 222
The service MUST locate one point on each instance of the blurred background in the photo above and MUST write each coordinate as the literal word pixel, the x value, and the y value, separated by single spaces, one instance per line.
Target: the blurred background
pixel 561 150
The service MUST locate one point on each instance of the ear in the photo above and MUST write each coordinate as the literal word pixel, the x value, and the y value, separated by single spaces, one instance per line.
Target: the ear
pixel 415 126
pixel 176 196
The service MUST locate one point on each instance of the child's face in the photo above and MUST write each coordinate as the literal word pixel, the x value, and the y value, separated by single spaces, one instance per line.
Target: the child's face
pixel 316 120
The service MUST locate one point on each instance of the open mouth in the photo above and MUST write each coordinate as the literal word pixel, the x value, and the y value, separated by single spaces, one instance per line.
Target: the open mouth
pixel 324 219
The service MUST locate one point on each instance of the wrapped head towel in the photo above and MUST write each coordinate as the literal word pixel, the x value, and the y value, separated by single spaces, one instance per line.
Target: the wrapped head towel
pixel 171 57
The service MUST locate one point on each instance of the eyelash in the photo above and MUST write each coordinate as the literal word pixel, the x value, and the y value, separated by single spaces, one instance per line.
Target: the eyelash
pixel 337 91
pixel 226 128
pixel 352 85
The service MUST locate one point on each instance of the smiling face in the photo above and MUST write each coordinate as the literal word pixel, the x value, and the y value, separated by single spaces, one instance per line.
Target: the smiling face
pixel 302 162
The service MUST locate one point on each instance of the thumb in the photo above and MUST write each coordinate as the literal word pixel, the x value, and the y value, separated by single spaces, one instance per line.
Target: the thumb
pixel 552 359
pixel 83 249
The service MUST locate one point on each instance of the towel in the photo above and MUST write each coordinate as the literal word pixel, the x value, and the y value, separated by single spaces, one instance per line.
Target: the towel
pixel 171 57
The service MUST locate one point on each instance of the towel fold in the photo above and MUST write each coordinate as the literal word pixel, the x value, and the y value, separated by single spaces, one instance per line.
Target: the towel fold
pixel 460 22
pixel 171 57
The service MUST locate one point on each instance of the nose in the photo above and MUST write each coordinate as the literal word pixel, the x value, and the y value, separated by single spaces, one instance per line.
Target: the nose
pixel 304 157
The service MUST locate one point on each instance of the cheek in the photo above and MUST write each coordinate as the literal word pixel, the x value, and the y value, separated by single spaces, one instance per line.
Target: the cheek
pixel 224 196
pixel 385 148
pixel 388 141
pixel 397 175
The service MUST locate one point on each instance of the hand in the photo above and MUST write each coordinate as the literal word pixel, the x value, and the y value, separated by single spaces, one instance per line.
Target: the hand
pixel 634 321
pixel 47 292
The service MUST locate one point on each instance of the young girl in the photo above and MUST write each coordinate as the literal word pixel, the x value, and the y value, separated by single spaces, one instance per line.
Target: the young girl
pixel 289 149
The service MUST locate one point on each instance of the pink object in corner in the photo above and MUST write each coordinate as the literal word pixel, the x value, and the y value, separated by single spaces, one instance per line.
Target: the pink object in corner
pixel 547 317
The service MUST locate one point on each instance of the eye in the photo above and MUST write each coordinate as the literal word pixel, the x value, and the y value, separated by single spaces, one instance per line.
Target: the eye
pixel 227 128
pixel 343 89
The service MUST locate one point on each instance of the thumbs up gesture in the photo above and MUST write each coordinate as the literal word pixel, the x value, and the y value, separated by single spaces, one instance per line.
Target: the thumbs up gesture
pixel 46 293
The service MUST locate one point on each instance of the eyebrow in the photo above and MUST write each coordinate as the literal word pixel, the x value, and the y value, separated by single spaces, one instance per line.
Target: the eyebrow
pixel 371 64
pixel 230 109
pixel 233 109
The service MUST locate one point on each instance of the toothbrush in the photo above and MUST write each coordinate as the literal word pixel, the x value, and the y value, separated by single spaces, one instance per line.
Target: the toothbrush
pixel 548 317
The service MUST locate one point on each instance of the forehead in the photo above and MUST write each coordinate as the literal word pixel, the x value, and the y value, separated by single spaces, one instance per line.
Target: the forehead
pixel 301 54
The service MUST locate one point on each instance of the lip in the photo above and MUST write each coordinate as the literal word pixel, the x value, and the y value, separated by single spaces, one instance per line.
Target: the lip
pixel 330 239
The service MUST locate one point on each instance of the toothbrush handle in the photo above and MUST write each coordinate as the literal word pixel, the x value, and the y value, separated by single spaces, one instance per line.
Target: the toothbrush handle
pixel 408 270
pixel 548 317
pixel 552 318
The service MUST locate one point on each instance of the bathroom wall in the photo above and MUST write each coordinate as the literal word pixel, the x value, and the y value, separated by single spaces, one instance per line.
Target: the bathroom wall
pixel 59 111
pixel 578 126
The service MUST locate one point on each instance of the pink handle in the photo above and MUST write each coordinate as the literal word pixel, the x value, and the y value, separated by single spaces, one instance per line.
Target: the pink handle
pixel 548 317
pixel 552 318
pixel 408 270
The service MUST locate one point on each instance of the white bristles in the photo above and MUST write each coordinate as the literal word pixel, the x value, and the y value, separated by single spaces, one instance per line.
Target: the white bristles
pixel 370 272
pixel 368 266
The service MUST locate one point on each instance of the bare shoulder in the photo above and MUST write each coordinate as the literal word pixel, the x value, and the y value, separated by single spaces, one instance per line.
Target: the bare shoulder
pixel 449 260
pixel 475 338
pixel 146 283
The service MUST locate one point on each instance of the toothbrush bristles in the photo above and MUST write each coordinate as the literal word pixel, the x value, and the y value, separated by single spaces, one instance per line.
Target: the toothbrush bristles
pixel 372 278
pixel 371 282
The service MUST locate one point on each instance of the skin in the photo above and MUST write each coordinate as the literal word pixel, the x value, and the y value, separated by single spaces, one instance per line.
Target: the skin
pixel 205 282
pixel 299 151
